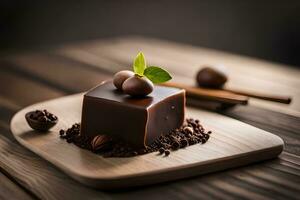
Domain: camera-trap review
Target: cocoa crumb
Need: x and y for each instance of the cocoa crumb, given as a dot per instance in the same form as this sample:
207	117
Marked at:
190	133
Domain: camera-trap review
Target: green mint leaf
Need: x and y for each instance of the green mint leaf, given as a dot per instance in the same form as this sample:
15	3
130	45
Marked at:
157	74
139	64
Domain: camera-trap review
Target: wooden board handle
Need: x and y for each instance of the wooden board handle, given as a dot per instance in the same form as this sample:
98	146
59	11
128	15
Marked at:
210	94
269	97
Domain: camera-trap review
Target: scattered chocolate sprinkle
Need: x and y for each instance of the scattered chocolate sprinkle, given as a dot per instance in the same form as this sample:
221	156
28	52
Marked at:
167	152
184	143
175	145
61	132
190	133
161	150
42	116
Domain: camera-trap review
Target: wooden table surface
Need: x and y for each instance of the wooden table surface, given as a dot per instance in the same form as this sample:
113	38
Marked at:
27	78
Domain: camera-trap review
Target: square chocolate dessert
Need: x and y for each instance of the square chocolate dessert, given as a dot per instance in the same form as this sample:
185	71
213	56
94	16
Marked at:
138	121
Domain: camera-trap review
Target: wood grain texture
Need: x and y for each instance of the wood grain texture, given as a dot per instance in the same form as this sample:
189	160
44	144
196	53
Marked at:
232	144
38	176
56	72
9	190
185	60
268	97
276	179
24	90
47	182
283	125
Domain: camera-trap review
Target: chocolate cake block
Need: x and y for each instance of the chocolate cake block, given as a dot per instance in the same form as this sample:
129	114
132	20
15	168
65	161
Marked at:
138	121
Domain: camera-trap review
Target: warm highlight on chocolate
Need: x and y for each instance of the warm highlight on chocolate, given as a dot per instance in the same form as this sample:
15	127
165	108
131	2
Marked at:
138	121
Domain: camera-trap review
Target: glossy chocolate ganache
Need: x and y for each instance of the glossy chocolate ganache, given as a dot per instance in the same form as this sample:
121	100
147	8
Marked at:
118	125
137	121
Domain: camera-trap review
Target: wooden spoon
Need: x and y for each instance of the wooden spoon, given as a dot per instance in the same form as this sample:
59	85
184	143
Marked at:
210	94
210	77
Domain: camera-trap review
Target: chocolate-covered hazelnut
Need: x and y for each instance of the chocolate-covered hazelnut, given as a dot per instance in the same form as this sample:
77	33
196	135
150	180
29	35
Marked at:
137	86
120	77
211	78
100	142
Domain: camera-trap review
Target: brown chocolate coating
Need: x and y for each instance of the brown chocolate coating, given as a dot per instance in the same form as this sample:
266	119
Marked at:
138	121
100	142
120	77
137	86
211	78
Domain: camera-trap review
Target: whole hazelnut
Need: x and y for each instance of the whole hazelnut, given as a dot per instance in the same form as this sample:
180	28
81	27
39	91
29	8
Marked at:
137	86
210	77
120	77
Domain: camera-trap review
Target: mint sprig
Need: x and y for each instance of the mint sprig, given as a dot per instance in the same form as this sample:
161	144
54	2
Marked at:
157	74
139	64
153	73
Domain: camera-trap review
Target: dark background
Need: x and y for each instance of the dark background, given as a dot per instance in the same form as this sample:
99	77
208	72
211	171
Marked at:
263	29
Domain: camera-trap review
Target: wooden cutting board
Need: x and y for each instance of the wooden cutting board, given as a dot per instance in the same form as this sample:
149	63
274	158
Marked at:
232	144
